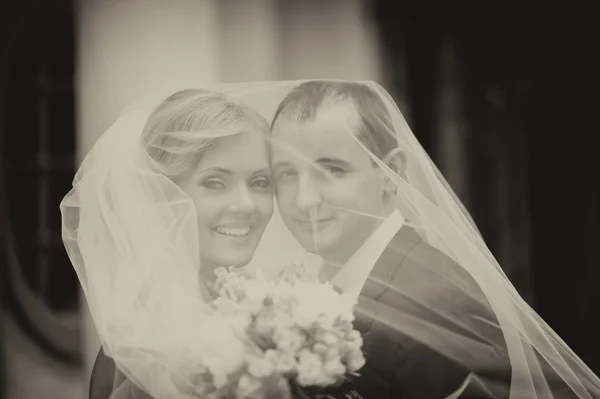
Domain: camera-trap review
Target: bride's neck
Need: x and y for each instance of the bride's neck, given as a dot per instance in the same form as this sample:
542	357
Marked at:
207	272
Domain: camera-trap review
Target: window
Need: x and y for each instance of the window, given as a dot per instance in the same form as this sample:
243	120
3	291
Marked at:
38	162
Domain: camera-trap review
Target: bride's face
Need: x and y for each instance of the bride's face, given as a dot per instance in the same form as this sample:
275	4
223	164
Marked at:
231	190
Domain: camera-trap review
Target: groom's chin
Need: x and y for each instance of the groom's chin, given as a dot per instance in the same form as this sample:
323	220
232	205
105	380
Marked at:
316	247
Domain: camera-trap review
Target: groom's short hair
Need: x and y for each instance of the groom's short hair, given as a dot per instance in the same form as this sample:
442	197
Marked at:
376	131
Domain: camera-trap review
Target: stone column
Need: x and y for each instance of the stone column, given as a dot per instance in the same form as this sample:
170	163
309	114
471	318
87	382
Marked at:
127	49
328	39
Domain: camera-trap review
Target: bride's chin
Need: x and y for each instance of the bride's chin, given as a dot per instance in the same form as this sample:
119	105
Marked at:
224	260
234	261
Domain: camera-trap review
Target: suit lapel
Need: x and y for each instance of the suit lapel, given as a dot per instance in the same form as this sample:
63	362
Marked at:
389	262
381	276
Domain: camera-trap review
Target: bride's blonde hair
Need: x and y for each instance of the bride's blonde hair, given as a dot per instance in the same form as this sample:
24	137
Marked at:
188	123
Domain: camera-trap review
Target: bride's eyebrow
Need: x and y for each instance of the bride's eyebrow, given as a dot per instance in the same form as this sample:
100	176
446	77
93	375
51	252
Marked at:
217	169
263	171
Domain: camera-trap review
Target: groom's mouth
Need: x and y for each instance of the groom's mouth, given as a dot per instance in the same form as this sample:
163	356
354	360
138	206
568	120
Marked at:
318	223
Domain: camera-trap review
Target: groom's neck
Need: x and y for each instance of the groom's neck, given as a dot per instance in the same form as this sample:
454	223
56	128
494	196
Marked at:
337	257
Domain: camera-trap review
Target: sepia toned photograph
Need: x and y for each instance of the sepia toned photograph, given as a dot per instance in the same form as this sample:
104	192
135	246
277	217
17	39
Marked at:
315	199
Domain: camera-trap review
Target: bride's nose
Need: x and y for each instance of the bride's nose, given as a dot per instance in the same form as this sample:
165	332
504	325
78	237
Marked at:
241	201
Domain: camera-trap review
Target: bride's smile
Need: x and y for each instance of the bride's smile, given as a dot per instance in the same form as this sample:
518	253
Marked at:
233	231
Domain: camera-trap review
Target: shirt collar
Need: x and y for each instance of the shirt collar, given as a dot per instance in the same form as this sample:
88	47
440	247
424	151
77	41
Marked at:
352	277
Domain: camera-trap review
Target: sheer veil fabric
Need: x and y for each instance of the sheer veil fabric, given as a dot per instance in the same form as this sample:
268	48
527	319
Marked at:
132	236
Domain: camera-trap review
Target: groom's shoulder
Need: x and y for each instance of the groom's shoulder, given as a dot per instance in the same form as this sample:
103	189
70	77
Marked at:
418	261
409	249
425	271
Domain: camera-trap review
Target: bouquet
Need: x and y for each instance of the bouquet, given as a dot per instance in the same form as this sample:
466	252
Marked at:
289	334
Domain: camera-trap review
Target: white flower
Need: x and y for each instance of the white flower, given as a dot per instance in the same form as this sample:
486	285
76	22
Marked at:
320	303
310	369
298	329
329	338
282	321
320	348
283	362
263	325
355	361
220	350
259	367
240	323
306	312
355	338
226	306
254	291
247	385
283	304
289	340
283	290
332	353
295	272
334	367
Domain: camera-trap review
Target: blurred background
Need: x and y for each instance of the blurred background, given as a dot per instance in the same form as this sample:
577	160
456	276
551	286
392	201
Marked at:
502	96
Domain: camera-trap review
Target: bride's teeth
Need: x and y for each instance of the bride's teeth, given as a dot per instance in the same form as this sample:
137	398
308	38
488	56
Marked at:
237	232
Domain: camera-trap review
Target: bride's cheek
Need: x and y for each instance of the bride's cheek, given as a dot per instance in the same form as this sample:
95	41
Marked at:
207	215
265	205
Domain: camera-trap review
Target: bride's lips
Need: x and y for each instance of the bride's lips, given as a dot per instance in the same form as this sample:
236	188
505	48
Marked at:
238	231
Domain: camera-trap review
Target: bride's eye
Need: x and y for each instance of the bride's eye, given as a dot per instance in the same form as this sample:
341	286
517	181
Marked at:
262	183
213	184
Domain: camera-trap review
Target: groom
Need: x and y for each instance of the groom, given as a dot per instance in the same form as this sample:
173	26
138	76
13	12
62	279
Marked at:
340	205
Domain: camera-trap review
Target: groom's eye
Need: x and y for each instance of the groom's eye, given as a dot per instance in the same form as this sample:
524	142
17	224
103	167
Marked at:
334	170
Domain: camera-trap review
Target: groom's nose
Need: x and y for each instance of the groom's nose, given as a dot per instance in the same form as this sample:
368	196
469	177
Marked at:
307	196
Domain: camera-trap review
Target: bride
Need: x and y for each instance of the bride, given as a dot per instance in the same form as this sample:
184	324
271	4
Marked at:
146	229
207	152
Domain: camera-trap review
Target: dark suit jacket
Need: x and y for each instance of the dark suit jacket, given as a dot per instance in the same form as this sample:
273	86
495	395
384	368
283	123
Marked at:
408	279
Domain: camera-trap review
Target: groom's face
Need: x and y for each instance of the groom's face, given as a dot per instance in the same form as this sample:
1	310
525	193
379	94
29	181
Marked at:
329	193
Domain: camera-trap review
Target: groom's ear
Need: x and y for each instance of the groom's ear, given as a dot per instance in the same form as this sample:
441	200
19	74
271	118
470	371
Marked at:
396	161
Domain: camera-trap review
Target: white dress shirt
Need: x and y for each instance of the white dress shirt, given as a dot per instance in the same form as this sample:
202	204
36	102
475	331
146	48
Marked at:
353	276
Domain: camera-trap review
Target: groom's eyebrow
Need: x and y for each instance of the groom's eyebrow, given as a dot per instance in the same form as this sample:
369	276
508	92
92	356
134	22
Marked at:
261	171
279	164
325	160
